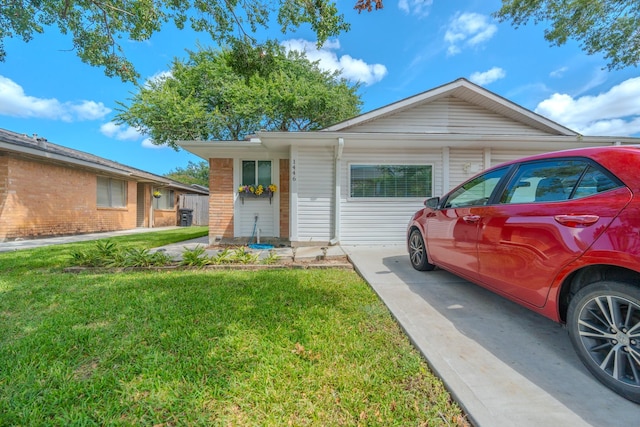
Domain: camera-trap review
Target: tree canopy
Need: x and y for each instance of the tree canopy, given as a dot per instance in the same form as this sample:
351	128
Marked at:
98	26
194	173
230	94
610	27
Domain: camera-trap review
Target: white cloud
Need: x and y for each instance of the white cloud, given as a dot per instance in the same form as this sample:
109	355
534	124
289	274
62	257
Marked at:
419	8
148	144
612	113
486	77
120	132
468	30
158	77
556	74
15	103
127	133
355	70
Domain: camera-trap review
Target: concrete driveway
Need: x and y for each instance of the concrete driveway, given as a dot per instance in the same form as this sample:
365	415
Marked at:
505	365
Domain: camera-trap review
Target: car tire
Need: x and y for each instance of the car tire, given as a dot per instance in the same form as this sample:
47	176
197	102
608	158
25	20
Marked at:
418	252
604	326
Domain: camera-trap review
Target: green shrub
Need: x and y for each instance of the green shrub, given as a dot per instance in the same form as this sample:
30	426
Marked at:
196	257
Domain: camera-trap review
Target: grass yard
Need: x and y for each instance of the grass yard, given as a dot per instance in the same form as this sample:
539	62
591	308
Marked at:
196	347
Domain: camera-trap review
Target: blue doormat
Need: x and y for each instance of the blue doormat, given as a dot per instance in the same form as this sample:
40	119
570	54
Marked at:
260	246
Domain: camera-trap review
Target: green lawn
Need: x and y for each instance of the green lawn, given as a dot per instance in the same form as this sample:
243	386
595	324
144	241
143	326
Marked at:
197	347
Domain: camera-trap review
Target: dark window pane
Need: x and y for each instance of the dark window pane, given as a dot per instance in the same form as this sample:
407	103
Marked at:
248	172
391	181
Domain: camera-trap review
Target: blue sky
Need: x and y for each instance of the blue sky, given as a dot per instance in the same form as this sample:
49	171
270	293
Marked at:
407	48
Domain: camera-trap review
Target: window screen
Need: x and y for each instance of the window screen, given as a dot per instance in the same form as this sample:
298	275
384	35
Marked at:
165	201
111	192
391	180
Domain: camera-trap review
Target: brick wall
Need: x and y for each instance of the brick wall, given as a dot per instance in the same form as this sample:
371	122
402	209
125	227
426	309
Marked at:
39	199
167	217
221	194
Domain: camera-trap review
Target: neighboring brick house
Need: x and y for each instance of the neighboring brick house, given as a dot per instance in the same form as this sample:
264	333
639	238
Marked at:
50	190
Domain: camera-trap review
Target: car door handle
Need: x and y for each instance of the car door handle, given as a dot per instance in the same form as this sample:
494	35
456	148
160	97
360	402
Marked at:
577	220
471	219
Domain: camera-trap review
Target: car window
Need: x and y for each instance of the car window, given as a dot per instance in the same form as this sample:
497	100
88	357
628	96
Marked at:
475	192
594	181
555	180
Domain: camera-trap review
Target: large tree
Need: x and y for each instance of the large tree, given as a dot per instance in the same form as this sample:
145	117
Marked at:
230	94
97	27
610	27
194	173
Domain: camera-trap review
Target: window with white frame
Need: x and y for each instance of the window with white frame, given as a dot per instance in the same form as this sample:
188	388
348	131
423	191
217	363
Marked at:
390	181
256	172
165	201
111	193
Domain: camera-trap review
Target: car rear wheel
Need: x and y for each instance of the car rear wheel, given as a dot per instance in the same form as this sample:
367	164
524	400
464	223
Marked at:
604	326
418	252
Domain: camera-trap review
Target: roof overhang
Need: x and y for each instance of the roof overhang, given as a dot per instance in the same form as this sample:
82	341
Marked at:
268	143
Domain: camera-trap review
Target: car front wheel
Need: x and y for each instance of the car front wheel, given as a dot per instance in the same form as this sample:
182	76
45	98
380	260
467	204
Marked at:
418	252
604	326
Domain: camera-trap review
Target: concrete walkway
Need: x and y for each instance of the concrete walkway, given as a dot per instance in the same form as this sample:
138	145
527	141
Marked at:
504	364
48	241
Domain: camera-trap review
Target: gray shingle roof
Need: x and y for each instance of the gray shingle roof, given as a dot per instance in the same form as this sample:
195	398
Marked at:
39	147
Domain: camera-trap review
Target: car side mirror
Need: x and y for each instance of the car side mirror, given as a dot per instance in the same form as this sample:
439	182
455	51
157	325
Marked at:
432	203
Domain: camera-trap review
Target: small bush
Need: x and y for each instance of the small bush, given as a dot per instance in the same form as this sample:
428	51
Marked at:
272	258
106	253
196	257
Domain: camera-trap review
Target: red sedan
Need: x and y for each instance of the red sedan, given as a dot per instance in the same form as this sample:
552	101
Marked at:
558	233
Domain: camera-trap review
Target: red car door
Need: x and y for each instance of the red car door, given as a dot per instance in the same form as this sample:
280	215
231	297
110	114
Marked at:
522	245
452	230
452	240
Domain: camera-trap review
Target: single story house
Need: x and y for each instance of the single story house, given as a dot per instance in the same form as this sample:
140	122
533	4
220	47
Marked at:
359	181
51	190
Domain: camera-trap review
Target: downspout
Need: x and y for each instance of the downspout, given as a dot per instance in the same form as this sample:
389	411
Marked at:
336	202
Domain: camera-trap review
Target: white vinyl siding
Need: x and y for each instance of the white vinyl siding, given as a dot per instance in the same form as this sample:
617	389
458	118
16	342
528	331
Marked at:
501	156
463	165
316	188
379	221
245	218
448	115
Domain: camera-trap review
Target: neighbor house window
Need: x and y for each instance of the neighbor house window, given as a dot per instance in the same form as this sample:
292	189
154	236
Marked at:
112	193
391	181
256	172
165	201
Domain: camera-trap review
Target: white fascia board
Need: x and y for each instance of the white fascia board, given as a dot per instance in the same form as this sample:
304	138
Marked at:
270	142
415	140
223	149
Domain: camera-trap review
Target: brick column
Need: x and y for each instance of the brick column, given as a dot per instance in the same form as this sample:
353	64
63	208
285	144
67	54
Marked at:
221	193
